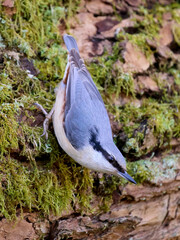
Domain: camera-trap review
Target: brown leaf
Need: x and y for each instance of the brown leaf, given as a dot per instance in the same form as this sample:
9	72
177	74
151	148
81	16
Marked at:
165	2
8	3
118	27
134	3
108	1
106	24
97	48
98	7
146	84
84	29
165	52
167	16
166	35
10	11
135	60
16	231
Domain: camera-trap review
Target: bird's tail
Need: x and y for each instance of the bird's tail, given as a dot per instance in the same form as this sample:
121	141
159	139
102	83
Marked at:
70	42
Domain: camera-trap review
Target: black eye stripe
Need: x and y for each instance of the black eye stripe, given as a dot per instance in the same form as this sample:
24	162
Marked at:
111	158
115	164
97	146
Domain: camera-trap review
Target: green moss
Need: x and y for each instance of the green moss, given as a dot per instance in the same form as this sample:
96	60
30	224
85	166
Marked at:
33	25
151	171
8	128
29	187
35	174
176	33
148	26
160	118
50	185
109	77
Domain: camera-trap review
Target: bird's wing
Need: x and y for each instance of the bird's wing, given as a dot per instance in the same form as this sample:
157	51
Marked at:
84	111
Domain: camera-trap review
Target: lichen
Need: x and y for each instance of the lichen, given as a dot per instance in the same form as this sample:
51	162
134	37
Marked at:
155	172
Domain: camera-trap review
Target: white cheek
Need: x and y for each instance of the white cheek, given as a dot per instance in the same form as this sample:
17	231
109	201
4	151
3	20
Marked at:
94	160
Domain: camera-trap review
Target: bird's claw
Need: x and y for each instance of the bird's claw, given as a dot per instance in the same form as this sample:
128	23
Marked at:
41	108
45	127
46	121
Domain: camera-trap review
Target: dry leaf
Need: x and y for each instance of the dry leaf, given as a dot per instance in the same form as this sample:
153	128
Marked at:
97	7
135	60
8	3
145	84
118	27
166	35
134	3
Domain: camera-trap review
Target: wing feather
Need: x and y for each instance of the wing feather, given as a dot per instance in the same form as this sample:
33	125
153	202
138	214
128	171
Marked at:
84	108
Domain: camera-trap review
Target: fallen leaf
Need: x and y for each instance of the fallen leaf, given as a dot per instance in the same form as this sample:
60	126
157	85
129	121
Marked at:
165	52
107	46
97	49
8	3
167	16
165	2
135	60
134	3
97	7
10	11
16	231
106	24
165	80
151	43
118	27
150	141
145	84
165	35
122	100
90	43
108	1
84	29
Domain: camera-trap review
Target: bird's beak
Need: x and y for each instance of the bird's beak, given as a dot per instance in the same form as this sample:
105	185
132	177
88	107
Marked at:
127	177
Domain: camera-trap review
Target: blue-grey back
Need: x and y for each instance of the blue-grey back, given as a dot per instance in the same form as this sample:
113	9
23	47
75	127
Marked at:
84	111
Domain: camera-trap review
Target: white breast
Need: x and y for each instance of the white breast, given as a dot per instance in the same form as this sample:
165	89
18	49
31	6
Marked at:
58	119
87	156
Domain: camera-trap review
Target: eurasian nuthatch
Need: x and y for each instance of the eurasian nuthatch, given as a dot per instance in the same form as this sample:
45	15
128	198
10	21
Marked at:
80	119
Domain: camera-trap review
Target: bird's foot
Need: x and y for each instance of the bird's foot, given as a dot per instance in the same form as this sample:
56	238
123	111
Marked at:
47	119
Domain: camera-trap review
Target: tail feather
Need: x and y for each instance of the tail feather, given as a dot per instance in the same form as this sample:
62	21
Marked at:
70	42
76	59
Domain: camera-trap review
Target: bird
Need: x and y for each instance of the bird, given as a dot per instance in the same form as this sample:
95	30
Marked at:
80	119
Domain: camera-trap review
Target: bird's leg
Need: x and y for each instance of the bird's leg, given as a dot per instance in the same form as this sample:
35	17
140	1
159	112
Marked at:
49	115
46	121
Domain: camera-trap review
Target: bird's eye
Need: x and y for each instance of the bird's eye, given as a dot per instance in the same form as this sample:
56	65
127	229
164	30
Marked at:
111	158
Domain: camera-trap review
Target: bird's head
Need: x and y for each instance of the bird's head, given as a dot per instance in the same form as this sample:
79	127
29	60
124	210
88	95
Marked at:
111	155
